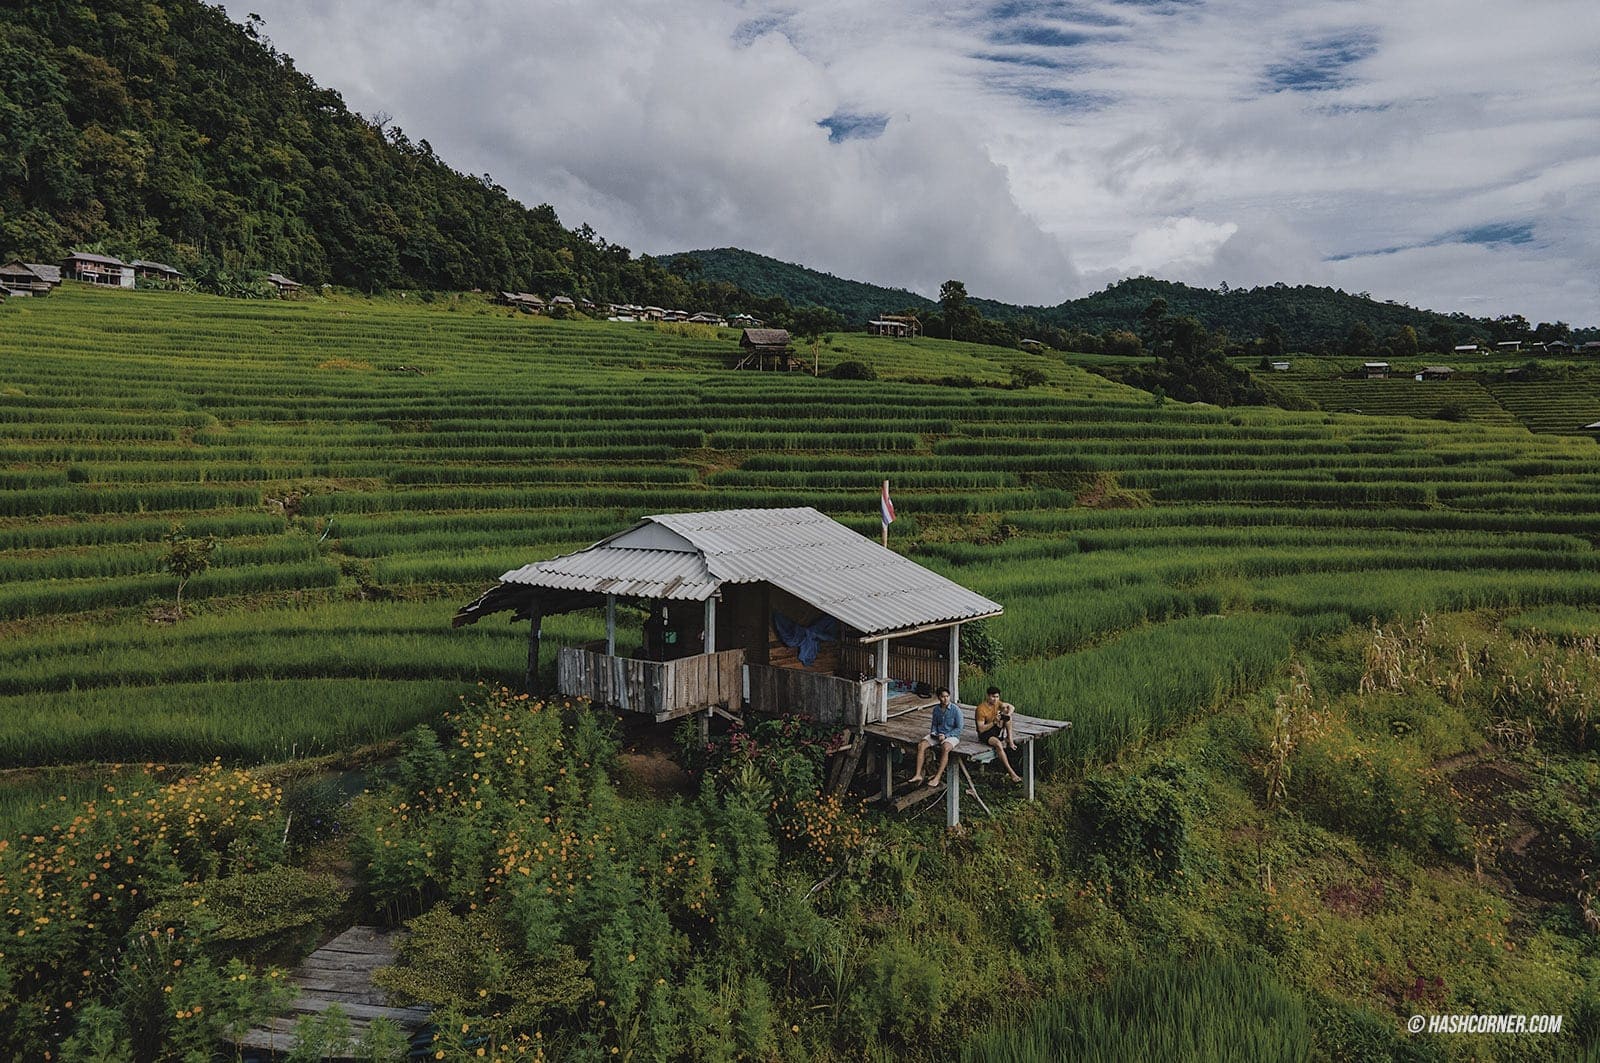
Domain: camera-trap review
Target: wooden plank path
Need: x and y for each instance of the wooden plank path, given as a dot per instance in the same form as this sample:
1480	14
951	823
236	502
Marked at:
908	728
340	972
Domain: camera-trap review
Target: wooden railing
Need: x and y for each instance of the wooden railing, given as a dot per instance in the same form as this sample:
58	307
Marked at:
912	664
663	689
824	698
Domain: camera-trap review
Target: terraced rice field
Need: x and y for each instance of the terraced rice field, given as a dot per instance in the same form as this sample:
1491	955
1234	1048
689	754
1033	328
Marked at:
367	465
1561	399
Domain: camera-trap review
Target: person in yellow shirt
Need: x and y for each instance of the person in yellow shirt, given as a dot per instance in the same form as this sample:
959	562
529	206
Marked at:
993	720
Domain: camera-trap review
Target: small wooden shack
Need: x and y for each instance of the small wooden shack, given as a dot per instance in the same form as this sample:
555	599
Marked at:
1436	372
524	301
158	271
284	285
778	611
766	348
1375	370
898	326
804	602
25	278
98	269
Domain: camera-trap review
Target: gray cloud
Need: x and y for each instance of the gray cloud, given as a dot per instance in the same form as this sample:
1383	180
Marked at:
1032	149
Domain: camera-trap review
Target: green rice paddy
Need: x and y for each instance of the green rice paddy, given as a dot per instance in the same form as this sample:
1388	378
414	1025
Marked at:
367	465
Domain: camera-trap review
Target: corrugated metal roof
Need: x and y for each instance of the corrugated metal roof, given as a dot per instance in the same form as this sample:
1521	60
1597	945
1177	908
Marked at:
104	260
801	551
631	573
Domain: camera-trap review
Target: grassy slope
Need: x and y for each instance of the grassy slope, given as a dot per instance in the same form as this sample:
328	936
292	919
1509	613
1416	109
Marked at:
389	452
358	500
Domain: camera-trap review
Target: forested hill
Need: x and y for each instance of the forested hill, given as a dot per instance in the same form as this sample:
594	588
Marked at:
1307	316
167	132
856	301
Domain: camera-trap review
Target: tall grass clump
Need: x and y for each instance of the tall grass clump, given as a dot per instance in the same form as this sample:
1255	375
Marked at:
1210	1010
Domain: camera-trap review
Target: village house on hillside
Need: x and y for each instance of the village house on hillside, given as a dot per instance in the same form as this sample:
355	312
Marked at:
766	345
1375	370
98	269
159	271
284	285
898	326
28	278
524	301
1436	372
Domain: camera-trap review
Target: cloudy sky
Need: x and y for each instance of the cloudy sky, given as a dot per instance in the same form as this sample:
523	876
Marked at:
1443	153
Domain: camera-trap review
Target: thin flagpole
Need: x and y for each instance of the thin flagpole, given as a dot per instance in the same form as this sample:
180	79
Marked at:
885	514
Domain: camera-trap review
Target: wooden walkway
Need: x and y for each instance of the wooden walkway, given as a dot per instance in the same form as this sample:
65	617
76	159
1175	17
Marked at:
910	727
340	972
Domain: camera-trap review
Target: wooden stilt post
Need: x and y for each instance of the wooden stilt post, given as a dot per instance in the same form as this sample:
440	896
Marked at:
1028	756
711	625
888	773
611	625
952	796
883	680
954	682
535	634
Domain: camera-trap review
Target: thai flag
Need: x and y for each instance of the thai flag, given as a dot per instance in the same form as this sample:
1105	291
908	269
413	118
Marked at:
888	506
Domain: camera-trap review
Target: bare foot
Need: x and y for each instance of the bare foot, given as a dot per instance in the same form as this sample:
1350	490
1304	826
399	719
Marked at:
915	779
1016	778
933	783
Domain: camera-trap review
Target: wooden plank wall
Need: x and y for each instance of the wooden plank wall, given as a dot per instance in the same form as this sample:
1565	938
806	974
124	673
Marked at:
663	689
824	698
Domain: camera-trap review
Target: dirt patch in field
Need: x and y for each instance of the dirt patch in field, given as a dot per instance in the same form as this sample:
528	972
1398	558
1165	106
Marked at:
650	767
1490	792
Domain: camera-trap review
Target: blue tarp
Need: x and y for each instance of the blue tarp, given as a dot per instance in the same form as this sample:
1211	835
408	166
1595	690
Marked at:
807	640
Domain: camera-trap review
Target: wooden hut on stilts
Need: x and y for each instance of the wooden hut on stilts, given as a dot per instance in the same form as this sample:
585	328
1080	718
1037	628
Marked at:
773	611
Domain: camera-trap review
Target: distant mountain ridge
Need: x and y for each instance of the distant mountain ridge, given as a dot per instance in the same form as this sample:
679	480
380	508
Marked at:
855	301
1307	315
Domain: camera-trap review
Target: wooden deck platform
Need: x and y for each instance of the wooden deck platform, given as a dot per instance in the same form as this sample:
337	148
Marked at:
340	972
910	726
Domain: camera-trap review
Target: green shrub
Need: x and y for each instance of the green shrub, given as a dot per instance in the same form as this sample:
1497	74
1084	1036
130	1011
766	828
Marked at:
853	370
1139	828
1383	793
276	912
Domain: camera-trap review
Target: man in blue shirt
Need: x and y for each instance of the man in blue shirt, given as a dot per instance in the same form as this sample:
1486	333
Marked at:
945	733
